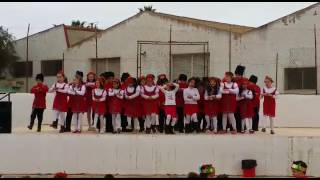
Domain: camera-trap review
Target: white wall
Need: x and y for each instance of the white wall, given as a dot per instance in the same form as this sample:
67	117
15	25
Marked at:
160	154
292	110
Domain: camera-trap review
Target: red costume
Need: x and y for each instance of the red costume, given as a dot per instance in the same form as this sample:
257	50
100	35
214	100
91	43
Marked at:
171	110
60	102
40	90
246	108
211	107
132	106
79	101
179	94
99	107
115	103
150	105
89	87
228	101
257	93
269	104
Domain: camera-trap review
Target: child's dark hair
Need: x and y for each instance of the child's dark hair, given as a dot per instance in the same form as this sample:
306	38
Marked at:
124	76
183	77
193	79
215	89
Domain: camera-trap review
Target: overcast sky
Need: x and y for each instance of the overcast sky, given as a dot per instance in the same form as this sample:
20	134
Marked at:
16	15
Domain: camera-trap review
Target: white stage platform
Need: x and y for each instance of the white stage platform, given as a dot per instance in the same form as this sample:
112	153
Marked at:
25	152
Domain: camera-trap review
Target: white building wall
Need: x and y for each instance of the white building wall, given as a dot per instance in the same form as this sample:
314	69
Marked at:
42	46
257	50
121	41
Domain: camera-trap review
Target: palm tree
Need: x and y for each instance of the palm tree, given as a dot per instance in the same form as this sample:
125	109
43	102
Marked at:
147	8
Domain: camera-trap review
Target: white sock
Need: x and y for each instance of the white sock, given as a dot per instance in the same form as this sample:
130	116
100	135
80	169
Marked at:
136	124
168	120
129	119
243	122
102	124
215	123
232	121
208	121
173	122
194	117
187	119
148	121
224	121
271	123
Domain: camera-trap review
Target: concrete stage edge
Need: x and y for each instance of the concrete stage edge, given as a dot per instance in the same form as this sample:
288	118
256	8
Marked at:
31	153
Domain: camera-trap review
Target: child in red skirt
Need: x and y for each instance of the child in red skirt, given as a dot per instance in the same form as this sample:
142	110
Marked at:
230	91
169	90
78	90
141	82
212	99
115	105
39	103
245	102
99	95
90	85
132	108
191	97
60	102
269	95
150	95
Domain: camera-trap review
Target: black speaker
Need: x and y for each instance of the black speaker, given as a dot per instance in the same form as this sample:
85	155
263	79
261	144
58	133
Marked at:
5	117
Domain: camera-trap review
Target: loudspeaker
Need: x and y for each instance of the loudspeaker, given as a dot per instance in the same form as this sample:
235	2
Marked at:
5	117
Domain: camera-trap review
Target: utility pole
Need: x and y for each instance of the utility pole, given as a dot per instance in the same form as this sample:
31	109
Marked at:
95	27
277	63
170	52
316	56
230	48
27	61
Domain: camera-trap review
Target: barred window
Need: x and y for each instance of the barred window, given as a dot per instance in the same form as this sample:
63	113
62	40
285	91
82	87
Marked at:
19	69
300	78
51	67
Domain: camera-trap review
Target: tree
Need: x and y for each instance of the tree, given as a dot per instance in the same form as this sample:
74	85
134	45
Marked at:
78	23
7	52
147	8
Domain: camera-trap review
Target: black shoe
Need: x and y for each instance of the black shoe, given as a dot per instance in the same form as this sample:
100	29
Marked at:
54	124
30	127
154	130
148	131
272	132
62	129
187	129
39	129
171	130
166	129
263	130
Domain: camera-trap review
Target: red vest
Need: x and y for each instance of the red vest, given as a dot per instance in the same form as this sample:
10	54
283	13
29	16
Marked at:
39	91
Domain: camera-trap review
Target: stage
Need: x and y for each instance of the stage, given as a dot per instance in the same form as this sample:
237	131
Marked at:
29	152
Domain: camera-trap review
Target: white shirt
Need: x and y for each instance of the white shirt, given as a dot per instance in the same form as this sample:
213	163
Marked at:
131	90
191	95
116	92
218	96
76	90
99	92
170	96
245	94
234	90
270	91
150	89
59	87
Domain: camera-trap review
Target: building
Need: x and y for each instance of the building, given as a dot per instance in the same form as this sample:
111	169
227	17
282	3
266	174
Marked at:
46	52
153	42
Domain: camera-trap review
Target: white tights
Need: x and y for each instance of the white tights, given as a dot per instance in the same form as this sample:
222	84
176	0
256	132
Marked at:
77	119
264	122
213	122
190	119
102	122
135	123
151	119
116	121
60	116
173	120
232	121
246	122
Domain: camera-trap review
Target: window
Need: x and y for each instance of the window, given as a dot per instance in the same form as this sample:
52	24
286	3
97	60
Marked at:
19	69
190	64
300	78
51	67
101	65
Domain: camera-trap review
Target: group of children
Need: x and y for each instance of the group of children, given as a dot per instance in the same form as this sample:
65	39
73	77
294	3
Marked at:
185	105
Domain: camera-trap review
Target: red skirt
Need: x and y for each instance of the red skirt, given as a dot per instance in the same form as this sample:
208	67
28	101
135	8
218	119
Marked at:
115	105
269	106
171	110
211	108
99	107
150	106
132	108
229	103
79	104
60	102
190	109
246	109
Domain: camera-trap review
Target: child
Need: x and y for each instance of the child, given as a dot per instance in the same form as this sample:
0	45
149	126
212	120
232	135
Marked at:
182	81
78	90
229	102
169	90
115	105
246	107
99	105
162	80
256	91
191	96
39	103
141	82
150	95
90	85
60	102
132	108
212	98
269	95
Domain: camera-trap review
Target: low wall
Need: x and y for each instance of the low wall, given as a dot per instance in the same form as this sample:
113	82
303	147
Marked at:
160	154
292	110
